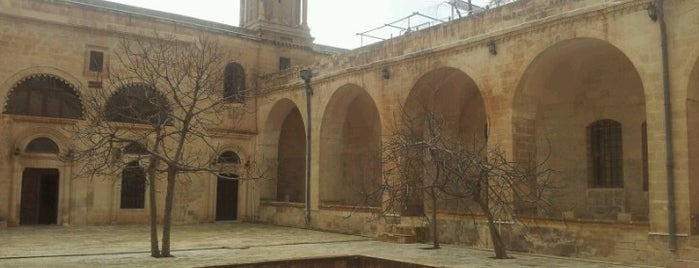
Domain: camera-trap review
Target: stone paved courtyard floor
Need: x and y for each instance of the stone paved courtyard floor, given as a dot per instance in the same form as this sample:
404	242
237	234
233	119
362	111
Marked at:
231	243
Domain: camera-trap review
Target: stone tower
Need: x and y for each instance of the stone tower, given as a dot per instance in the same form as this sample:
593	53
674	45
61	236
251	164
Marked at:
279	21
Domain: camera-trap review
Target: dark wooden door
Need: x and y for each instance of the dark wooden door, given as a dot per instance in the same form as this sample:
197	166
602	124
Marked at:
226	199
39	200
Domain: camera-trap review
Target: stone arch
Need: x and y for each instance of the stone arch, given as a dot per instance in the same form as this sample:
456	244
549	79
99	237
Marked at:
138	103
46	95
285	142
55	136
350	149
693	136
228	157
42	145
446	94
566	87
7	85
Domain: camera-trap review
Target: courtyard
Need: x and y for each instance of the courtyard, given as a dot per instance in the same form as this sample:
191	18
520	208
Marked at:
226	243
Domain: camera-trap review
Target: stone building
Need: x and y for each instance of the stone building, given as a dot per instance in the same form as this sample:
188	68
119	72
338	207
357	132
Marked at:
594	85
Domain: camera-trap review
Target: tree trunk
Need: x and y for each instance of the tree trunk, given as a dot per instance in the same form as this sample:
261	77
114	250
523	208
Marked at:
154	247
167	214
435	237
498	245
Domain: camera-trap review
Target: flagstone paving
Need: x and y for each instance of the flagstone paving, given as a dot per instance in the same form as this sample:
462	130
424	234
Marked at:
232	243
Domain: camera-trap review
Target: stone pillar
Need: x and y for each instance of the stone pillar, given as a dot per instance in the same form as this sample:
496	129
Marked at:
304	11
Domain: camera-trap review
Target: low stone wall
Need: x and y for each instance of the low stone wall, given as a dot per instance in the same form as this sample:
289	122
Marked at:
330	262
601	240
341	219
624	242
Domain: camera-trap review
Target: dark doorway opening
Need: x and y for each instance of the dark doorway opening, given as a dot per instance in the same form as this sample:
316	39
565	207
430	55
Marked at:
39	204
227	198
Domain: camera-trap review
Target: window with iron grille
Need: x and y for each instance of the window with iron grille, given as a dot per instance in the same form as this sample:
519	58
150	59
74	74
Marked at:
133	186
605	154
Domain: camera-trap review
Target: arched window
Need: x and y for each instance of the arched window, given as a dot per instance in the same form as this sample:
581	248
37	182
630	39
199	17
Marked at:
228	157
605	154
42	146
137	103
133	186
44	95
135	148
234	83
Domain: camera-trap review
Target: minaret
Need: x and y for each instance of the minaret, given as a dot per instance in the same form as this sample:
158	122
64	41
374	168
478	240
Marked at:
280	21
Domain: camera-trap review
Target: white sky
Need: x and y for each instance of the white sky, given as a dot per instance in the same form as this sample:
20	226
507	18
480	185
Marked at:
332	22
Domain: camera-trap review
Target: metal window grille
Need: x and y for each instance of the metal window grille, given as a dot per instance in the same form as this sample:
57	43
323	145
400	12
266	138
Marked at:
605	154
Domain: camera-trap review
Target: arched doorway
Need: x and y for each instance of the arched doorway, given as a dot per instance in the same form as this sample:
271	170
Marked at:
40	187
350	150
580	106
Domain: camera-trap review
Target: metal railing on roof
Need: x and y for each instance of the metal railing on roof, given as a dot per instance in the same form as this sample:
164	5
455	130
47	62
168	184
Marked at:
418	21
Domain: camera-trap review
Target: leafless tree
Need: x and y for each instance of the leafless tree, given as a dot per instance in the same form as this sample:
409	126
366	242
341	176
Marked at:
162	97
423	159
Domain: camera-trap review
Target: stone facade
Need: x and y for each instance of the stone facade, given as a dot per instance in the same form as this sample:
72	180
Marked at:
536	75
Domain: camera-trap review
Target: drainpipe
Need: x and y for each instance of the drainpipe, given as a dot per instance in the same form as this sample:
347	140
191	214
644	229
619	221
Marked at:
306	76
671	216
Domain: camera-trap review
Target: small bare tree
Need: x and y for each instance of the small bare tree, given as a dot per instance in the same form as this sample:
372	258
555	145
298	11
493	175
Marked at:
424	158
162	98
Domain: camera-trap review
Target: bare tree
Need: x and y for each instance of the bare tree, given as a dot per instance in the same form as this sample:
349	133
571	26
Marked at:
424	158
162	97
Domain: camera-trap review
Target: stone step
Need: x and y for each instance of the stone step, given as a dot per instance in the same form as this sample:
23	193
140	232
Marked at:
398	238
685	264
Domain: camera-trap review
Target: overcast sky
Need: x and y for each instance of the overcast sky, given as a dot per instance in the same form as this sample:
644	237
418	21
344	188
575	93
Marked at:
332	22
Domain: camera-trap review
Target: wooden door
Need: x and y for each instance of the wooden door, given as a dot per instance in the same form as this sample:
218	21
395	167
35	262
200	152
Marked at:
39	200
226	199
